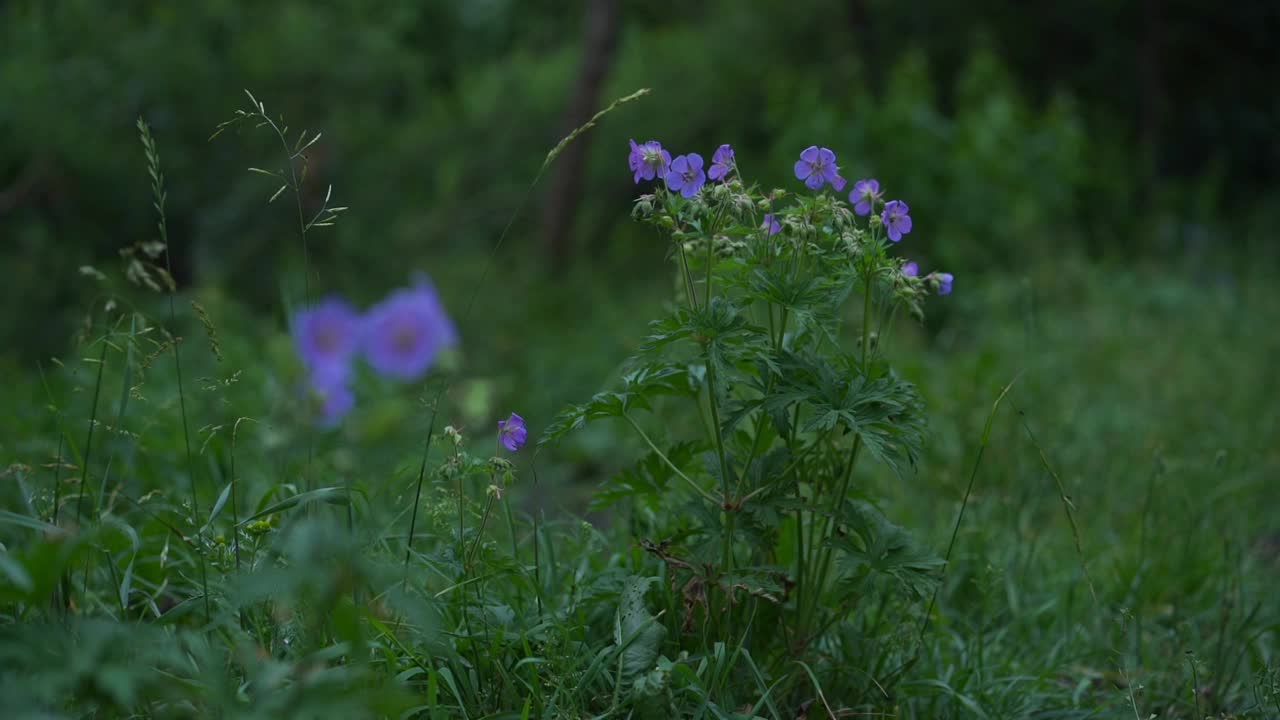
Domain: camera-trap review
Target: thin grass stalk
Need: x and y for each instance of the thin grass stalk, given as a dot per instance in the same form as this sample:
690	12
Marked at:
1067	506
88	455
417	498
159	196
973	476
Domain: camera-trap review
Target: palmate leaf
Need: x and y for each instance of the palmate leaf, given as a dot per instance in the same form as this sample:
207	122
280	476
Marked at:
639	387
875	546
647	481
884	410
722	329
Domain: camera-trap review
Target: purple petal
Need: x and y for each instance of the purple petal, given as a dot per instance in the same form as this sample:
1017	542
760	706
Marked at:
911	269
810	154
695	161
680	164
803	170
675	180
838	183
863	207
894	235
828	157
944	283
814	181
904	224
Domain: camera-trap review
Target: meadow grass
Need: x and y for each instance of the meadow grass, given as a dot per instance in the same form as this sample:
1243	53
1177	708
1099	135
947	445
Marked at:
1117	556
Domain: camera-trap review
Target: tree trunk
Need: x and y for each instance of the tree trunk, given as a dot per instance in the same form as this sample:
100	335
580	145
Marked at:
599	46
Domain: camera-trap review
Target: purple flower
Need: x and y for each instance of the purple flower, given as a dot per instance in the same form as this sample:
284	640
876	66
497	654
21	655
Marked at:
865	195
333	397
512	432
944	283
817	166
327	335
649	160
911	269
686	175
721	163
405	331
771	224
896	219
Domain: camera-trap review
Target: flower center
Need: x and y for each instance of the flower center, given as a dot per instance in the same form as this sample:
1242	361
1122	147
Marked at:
326	339
404	338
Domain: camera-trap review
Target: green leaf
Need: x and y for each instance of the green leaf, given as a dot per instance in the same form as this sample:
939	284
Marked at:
875	546
8	517
636	632
639	387
217	506
330	495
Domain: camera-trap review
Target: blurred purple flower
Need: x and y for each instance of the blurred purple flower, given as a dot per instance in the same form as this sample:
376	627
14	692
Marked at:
896	220
512	432
404	332
911	269
865	195
327	334
771	224
686	175
944	283
649	160
332	395
721	163
817	166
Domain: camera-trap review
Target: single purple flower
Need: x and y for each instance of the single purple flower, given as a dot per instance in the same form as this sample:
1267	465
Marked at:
512	432
721	163
896	220
771	224
686	175
327	334
944	283
404	332
649	160
865	195
332	395
817	166
911	269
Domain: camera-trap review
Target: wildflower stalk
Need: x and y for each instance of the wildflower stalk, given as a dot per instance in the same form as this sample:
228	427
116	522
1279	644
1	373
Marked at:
714	404
663	457
837	500
159	196
417	499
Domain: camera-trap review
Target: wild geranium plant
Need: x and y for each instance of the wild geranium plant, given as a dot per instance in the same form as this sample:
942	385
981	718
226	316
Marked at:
765	402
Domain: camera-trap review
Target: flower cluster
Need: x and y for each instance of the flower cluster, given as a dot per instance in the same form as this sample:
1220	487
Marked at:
817	167
399	337
684	174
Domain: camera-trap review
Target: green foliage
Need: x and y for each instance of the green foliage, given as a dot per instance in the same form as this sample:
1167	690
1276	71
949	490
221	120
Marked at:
767	550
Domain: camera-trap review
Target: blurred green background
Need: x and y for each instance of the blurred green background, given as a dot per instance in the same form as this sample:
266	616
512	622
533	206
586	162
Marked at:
1100	176
1123	131
1028	138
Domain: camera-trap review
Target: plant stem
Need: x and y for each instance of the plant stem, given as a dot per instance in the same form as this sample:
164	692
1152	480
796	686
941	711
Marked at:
88	449
158	191
417	497
662	456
